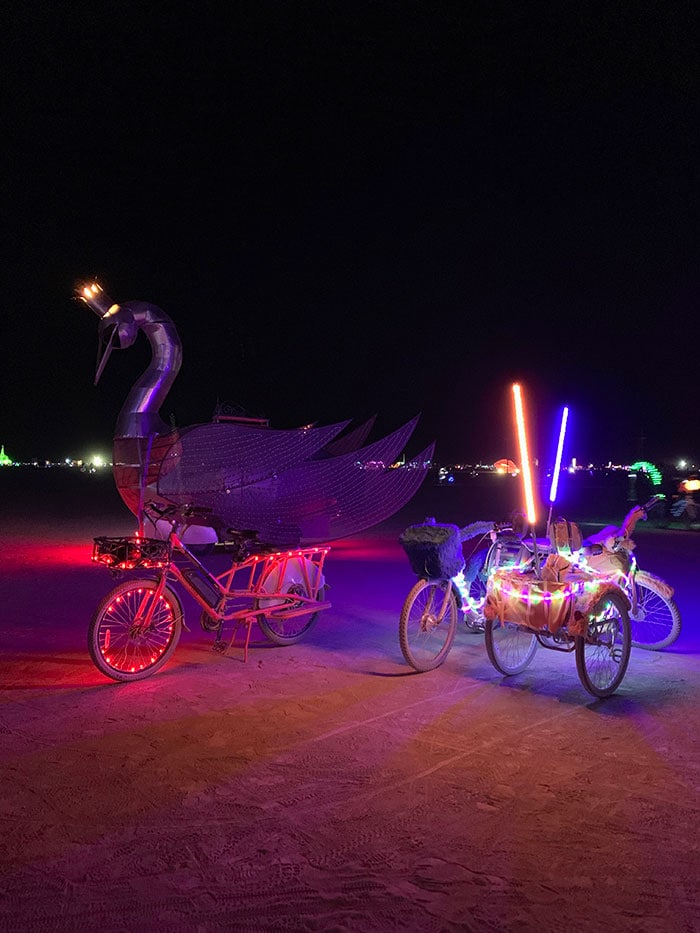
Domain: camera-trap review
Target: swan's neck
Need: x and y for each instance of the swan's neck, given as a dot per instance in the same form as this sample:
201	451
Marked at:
139	416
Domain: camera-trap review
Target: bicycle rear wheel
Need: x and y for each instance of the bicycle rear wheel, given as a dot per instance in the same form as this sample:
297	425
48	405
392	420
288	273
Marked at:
655	620
281	621
122	644
603	654
428	623
287	630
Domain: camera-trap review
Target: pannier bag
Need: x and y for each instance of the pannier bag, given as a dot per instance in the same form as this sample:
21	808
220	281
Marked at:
565	537
433	550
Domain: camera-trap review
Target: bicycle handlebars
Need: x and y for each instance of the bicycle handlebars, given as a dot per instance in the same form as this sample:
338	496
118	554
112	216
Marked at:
482	528
649	505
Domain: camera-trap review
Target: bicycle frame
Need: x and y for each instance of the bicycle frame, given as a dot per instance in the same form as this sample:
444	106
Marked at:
256	579
507	549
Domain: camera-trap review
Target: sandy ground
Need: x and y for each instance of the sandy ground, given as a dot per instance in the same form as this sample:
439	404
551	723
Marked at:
327	787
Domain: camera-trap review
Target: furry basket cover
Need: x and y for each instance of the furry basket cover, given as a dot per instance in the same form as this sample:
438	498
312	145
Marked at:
433	550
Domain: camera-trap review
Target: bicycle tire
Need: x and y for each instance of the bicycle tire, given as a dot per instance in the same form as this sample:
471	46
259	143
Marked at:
603	654
290	579
656	619
424	636
281	631
123	653
510	648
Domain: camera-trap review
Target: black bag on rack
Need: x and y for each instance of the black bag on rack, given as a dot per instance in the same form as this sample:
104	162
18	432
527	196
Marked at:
433	550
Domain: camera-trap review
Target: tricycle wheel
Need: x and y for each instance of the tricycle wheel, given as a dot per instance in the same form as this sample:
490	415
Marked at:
510	648
603	654
655	619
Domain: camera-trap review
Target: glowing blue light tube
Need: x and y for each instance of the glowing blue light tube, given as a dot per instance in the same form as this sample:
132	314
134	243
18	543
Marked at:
557	462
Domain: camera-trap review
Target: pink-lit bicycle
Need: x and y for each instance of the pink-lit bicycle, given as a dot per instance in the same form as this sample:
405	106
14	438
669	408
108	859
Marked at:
136	627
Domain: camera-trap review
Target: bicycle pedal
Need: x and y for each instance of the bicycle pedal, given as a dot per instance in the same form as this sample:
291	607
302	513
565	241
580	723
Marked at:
476	626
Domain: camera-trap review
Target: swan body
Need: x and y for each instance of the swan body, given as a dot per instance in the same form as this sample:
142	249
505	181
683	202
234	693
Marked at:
291	487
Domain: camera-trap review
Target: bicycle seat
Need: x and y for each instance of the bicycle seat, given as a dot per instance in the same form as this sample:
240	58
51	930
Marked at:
593	547
239	535
192	513
602	538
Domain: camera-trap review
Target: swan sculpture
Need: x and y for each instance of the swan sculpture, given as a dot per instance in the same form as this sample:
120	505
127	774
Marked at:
291	487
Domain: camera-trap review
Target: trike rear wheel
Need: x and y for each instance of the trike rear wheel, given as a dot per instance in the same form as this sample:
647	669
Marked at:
602	655
122	644
510	648
427	624
655	619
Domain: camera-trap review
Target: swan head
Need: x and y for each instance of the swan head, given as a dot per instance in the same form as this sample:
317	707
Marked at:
118	329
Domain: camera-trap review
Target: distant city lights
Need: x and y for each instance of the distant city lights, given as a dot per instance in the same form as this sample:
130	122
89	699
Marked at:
504	466
91	463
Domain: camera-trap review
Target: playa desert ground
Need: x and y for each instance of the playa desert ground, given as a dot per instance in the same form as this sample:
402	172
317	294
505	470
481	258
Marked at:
326	786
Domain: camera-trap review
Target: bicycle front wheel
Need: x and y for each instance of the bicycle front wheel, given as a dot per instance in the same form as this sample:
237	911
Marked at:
133	633
603	654
655	619
510	648
428	623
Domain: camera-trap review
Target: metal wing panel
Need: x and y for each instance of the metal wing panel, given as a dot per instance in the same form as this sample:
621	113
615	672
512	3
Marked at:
365	505
320	500
321	505
211	458
346	443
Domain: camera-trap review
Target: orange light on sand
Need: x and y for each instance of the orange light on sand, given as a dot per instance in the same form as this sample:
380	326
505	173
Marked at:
524	454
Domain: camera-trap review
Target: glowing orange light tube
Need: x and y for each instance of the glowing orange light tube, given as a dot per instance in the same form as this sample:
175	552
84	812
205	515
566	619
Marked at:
524	455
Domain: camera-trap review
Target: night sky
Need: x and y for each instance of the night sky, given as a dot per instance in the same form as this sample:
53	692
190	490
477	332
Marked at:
358	208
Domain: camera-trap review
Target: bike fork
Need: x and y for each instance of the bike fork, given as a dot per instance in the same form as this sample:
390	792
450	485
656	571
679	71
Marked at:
144	621
632	592
445	601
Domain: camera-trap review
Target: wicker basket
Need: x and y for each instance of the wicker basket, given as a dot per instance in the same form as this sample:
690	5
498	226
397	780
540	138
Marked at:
130	553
